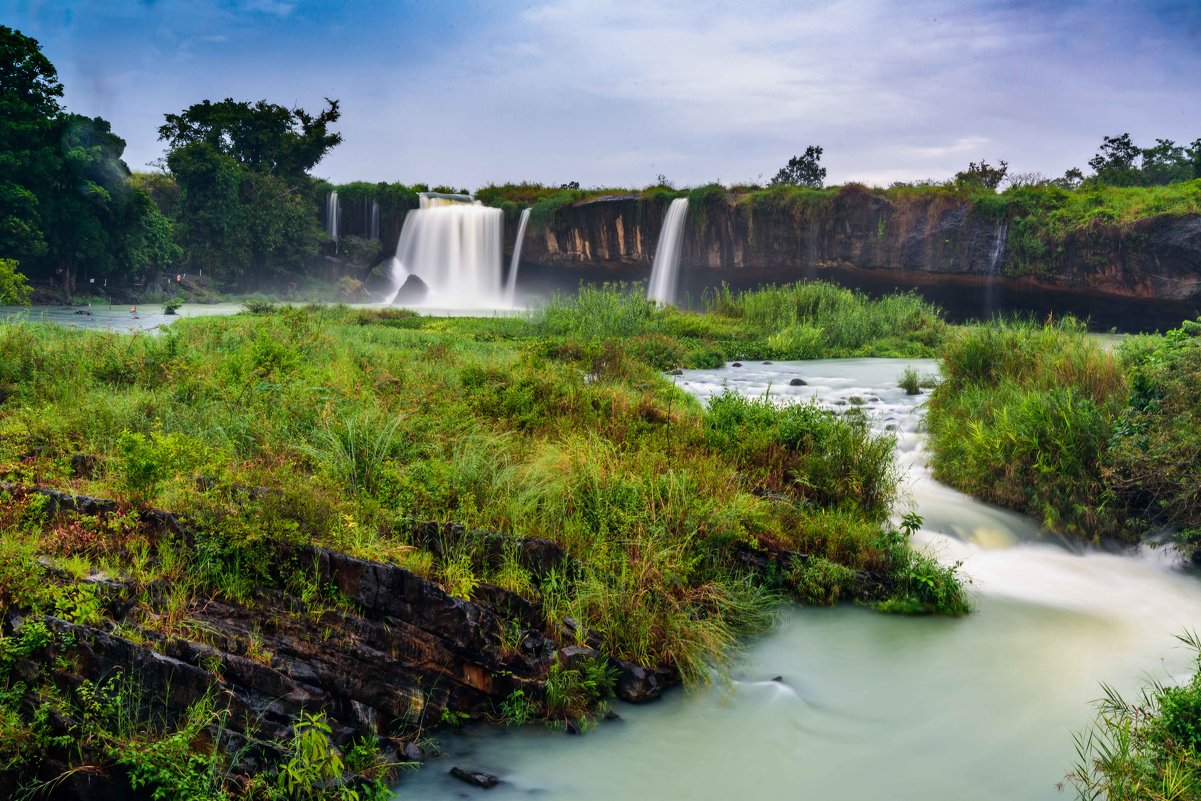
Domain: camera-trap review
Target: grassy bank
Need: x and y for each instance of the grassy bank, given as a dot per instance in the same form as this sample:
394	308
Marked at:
346	428
1144	749
1094	443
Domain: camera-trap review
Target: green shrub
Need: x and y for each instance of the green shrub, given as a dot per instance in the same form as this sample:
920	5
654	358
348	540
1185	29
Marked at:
824	458
1148	749
821	582
1023	418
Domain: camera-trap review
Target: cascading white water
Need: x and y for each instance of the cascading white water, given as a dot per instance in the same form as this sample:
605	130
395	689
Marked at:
453	244
511	283
666	267
331	214
994	258
998	246
373	231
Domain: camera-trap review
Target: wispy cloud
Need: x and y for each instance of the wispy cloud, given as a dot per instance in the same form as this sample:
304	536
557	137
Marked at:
611	93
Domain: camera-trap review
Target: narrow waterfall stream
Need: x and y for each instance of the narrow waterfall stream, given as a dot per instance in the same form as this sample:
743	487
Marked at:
511	281
666	267
872	706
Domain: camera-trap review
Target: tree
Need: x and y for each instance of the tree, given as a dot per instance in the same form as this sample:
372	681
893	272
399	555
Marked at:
1114	163
245	197
29	92
14	289
263	137
803	170
66	199
1071	179
1164	164
983	175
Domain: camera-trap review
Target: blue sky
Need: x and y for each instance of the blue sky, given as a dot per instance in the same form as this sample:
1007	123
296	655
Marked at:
615	93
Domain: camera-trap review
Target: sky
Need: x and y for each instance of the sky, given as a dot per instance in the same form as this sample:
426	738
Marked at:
618	93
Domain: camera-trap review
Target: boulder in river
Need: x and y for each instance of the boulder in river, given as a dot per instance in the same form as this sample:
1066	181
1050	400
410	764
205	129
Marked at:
797	382
475	777
637	684
413	290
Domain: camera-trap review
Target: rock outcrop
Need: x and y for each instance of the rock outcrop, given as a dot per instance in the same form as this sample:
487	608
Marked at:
921	233
379	649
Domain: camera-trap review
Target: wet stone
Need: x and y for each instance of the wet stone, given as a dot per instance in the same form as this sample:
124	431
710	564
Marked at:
476	778
797	382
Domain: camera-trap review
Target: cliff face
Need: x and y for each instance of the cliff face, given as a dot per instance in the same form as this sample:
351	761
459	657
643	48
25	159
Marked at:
855	227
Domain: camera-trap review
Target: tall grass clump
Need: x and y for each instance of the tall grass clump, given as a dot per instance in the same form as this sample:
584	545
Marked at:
1023	418
812	319
598	313
1145	749
826	459
1154	464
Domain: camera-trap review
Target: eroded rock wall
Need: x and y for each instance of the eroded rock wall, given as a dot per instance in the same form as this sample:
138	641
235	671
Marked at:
856	227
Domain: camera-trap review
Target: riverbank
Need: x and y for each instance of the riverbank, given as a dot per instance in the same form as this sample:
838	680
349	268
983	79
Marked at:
597	530
1095	442
849	704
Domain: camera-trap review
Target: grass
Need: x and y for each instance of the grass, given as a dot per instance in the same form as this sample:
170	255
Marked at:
1022	419
345	428
1096	444
1148	749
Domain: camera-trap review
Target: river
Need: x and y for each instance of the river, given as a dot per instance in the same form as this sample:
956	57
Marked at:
871	706
107	317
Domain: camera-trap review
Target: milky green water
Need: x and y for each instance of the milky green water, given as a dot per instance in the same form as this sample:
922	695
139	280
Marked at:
872	706
141	317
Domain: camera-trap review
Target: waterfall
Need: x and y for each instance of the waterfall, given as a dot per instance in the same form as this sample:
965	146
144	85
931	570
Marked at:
666	267
453	244
998	246
994	257
373	231
511	285
331	214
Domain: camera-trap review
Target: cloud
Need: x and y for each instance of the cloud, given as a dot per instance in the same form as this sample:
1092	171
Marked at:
615	93
280	8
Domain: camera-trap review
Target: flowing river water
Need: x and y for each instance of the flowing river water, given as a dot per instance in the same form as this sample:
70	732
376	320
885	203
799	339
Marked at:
871	706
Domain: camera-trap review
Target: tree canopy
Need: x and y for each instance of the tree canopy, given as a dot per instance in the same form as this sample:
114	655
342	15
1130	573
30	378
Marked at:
246	202
983	174
1121	162
803	170
261	137
66	199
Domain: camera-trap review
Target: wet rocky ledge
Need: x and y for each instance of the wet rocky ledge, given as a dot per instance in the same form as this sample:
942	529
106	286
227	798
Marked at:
398	656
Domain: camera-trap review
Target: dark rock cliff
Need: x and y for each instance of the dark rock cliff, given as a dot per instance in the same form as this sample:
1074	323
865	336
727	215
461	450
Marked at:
925	234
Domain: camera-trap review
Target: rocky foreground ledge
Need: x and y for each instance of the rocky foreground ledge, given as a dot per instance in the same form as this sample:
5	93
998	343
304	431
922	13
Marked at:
396	657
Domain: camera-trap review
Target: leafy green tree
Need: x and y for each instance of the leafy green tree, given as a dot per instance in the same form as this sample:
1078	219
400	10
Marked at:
29	93
13	287
66	199
803	170
246	201
1115	163
263	137
983	175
